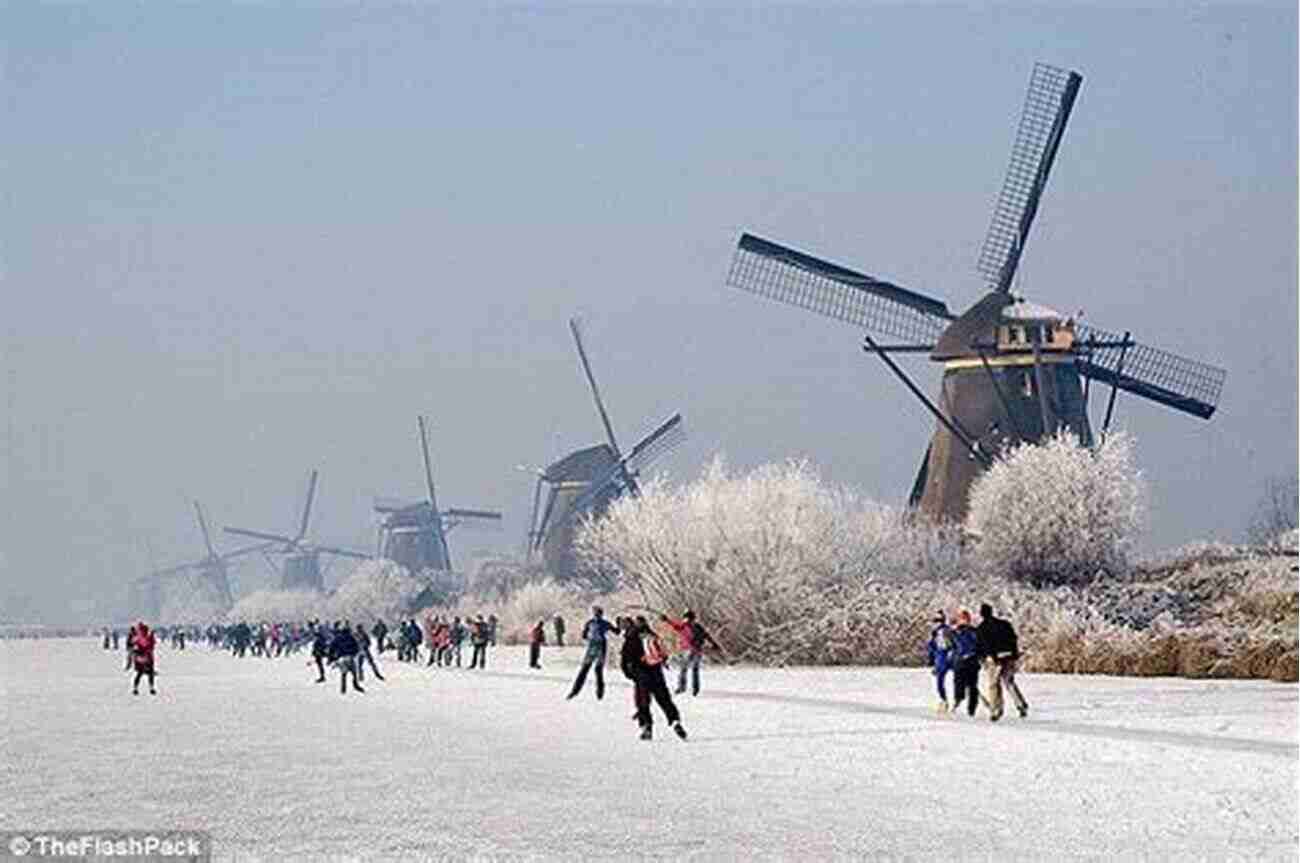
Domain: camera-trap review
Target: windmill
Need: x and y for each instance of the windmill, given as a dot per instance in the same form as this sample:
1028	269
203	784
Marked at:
1012	370
414	534
210	571
300	569
585	482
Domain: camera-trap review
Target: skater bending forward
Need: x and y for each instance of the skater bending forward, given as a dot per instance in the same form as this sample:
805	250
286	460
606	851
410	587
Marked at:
642	661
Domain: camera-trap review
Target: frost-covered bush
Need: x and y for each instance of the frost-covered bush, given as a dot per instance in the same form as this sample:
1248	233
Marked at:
1058	512
375	589
189	600
269	605
762	555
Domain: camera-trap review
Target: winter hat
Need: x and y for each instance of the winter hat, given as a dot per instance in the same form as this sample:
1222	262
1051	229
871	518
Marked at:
986	610
938	617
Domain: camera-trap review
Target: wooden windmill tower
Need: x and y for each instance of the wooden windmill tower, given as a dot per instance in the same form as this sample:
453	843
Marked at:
209	574
586	481
300	567
414	533
1012	371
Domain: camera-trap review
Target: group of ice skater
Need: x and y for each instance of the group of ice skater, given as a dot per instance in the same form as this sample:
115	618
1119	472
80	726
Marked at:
963	648
958	646
642	660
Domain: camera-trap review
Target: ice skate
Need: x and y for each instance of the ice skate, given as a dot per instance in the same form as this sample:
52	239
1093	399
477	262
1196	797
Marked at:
679	730
646	733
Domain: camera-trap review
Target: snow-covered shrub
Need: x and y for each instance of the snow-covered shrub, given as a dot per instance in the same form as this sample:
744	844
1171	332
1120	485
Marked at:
276	605
189	600
375	589
1058	512
763	556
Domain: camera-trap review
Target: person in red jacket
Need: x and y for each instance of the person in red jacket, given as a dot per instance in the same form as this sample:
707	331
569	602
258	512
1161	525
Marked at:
142	645
691	640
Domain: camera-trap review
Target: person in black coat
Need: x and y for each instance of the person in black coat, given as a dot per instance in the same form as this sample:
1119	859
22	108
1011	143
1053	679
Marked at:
999	648
343	650
320	648
642	661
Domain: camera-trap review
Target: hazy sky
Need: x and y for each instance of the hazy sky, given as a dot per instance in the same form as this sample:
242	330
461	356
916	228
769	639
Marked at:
240	243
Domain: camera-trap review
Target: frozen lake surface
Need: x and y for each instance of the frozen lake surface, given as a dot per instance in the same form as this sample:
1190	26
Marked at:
781	764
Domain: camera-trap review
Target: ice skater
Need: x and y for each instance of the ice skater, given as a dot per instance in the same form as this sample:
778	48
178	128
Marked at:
364	655
939	657
642	661
536	640
594	632
142	644
692	638
1000	650
966	664
320	648
479	642
343	650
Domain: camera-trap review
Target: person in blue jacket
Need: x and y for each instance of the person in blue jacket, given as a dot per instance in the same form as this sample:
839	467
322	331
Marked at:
939	656
966	664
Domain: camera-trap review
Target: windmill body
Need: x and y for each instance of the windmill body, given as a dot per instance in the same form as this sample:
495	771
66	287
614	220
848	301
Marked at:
210	575
300	560
1013	371
584	483
413	534
1021	384
569	480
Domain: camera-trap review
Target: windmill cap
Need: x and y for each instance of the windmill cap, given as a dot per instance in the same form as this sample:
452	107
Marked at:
1023	310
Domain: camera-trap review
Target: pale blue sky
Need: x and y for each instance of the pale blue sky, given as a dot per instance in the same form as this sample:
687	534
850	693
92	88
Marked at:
243	242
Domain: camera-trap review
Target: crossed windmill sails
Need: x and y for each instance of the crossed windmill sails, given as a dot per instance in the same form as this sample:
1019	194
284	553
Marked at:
1012	371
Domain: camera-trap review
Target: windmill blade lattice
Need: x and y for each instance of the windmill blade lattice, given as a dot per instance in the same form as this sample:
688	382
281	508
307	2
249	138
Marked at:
1183	384
1042	123
779	273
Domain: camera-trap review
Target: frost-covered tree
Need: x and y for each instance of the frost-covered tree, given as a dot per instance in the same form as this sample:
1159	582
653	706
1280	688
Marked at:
759	552
1058	512
375	589
1275	515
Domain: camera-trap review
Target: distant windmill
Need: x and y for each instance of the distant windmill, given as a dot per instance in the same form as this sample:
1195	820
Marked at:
1013	371
145	595
414	533
585	482
300	568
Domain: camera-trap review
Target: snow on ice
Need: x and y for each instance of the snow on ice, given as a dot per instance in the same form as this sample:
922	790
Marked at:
780	764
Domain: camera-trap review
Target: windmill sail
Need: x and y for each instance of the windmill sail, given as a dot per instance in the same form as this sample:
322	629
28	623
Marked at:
1183	384
1048	103
780	273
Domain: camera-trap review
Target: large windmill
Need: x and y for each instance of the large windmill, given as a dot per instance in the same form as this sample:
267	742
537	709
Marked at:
414	533
300	568
1013	371
585	482
209	575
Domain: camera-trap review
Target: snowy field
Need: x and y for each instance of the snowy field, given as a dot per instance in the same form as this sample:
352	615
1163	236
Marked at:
801	764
